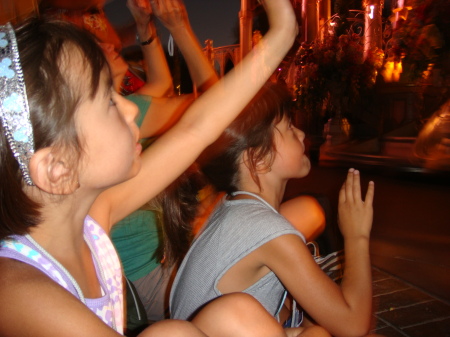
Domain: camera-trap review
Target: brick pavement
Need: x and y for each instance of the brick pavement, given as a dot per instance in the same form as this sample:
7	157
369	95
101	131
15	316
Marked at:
403	310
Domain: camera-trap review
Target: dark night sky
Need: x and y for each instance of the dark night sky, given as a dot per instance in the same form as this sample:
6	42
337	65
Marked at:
210	19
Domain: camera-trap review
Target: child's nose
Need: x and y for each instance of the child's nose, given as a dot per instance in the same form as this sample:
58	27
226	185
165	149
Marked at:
127	108
300	134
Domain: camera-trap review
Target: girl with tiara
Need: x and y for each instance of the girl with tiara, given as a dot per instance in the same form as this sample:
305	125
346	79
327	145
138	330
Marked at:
71	166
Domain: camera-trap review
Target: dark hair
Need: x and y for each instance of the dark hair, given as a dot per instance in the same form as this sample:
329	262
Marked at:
54	92
179	208
253	131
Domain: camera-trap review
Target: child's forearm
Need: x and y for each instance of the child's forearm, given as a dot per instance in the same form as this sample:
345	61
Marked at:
240	85
355	222
158	78
174	16
356	284
200	68
159	81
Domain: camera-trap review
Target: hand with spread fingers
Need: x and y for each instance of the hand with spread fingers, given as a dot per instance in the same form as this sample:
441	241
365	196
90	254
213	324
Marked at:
355	214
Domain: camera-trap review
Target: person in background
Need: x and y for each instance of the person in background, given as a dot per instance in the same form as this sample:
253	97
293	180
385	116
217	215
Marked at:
87	14
138	236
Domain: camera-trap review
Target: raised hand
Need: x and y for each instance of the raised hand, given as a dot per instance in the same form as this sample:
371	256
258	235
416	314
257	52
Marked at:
355	214
171	13
141	11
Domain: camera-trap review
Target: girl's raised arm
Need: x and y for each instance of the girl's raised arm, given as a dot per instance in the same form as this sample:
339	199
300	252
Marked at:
164	112
174	17
158	77
204	121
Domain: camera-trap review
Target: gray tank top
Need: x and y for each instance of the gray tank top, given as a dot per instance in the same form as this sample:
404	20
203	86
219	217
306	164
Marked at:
235	229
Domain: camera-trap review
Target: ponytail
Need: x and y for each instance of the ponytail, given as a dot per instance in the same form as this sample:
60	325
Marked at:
179	202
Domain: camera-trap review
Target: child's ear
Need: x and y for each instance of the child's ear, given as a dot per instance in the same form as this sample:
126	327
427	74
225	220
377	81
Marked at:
51	174
262	166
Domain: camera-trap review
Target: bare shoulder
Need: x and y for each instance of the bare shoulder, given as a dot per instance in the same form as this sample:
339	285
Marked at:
16	276
21	286
287	244
32	304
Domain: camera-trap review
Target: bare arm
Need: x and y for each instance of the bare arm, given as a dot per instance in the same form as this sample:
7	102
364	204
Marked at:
344	310
158	77
355	222
175	18
165	112
203	122
48	309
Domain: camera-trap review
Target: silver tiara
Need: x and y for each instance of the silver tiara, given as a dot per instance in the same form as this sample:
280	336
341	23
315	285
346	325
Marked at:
14	111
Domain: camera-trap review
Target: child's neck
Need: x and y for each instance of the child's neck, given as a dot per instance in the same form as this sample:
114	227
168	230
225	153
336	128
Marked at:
271	188
273	197
62	221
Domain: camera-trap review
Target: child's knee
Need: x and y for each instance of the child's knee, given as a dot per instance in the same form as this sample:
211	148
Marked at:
306	214
237	314
173	328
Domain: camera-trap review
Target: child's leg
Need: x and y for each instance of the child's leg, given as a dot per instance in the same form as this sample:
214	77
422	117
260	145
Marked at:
172	328
312	331
306	214
235	315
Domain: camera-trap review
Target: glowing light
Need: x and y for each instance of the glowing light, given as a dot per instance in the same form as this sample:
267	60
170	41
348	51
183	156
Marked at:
372	10
392	71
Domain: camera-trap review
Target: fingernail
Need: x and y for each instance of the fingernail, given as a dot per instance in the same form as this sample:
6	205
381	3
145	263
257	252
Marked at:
356	172
351	170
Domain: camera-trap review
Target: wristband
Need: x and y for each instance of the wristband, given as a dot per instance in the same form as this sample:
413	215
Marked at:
147	42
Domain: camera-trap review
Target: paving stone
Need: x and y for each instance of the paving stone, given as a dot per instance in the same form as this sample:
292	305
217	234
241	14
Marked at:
400	298
415	314
388	286
390	332
439	328
377	323
378	275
